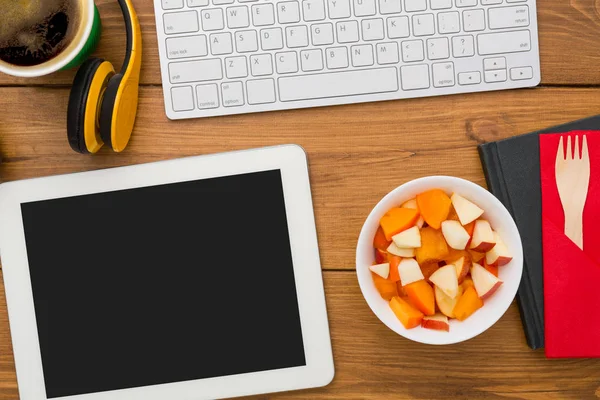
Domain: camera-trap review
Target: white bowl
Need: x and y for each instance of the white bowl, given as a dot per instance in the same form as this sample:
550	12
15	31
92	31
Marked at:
494	307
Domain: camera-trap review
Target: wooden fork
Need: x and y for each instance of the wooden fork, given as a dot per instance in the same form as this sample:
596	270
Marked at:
573	178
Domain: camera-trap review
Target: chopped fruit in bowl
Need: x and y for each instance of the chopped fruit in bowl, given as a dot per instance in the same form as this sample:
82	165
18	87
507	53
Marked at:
439	260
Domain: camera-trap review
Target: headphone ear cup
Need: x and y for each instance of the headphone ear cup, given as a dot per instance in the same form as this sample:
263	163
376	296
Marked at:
77	104
107	109
84	103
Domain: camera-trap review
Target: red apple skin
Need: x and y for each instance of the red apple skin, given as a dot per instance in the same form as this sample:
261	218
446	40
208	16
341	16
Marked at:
380	257
464	271
491	291
435	325
503	260
483	247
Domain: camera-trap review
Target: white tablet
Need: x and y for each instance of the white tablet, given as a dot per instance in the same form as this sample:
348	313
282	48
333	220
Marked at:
196	278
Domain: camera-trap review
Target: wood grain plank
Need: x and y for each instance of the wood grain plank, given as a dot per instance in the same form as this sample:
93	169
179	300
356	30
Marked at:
372	362
357	153
568	30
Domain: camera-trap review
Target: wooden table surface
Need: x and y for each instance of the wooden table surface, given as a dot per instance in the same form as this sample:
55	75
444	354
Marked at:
357	153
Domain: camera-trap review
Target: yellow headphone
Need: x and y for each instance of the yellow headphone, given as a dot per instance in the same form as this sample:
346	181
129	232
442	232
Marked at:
102	103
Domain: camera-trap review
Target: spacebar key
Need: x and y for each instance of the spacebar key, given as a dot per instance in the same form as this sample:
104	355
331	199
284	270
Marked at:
336	84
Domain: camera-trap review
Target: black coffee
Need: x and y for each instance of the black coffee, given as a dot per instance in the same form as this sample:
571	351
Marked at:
35	31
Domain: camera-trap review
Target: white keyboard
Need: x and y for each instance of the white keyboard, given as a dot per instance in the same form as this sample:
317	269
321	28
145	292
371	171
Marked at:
222	57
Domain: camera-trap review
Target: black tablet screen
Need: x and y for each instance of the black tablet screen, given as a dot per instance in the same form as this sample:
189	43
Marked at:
163	284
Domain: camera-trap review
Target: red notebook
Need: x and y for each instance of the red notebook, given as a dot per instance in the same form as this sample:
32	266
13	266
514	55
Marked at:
571	275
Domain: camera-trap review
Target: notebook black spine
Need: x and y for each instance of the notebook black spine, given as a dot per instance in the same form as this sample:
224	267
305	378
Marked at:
492	170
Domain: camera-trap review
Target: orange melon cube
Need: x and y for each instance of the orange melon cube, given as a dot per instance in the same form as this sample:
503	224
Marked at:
468	303
434	206
407	314
433	246
421	296
397	220
386	288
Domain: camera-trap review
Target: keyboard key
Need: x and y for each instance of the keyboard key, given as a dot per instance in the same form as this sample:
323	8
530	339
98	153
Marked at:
322	34
440	4
516	1
263	14
438	48
296	36
347	83
220	43
286	62
338	8
397	27
311	60
192	71
247	1
363	8
491	2
462	46
260	91
181	22
288	12
271	39
520	73
347	32
313	10
387	53
448	22
508	17
171	4
212	20
221	2
414	76
182	98
197	3
362	55
207	96
246	41
415	5
494	63
390	6
495	76
372	29
473	20
443	74
237	17
412	50
235	67
233	94
423	24
466	3
186	46
469	78
503	42
261	64
337	57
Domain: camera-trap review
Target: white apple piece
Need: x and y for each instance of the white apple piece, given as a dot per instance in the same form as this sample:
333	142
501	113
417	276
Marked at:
462	267
485	282
483	237
445	303
408	239
383	270
437	322
499	254
466	211
445	278
409	271
456	236
412	204
400	252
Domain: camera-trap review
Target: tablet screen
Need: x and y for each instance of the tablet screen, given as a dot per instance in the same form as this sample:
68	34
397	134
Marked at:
163	284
